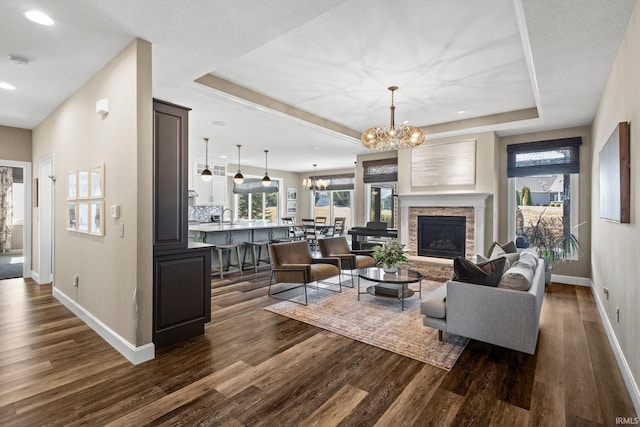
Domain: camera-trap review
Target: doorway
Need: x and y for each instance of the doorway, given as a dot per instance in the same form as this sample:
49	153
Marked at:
15	219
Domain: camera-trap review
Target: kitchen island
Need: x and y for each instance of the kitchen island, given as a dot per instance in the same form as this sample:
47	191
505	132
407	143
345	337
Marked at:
240	232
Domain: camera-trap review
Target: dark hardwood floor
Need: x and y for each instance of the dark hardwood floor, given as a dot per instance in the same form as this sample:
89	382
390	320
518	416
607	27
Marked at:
256	368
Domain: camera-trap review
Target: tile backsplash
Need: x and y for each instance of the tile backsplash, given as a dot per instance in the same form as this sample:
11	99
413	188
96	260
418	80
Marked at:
203	213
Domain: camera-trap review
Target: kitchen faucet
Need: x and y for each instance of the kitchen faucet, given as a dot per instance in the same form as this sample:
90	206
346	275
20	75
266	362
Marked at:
222	215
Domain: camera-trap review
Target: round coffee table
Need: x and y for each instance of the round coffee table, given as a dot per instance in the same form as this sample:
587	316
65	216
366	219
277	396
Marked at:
390	285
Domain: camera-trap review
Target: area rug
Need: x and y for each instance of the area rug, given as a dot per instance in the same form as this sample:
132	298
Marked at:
10	271
376	321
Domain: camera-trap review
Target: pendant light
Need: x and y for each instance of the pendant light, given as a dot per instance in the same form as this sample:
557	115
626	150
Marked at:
206	173
238	178
266	181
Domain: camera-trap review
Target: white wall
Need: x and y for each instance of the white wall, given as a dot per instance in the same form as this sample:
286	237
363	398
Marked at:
616	247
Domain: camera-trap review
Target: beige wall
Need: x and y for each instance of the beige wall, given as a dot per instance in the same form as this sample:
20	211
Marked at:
114	272
616	247
15	144
485	179
581	267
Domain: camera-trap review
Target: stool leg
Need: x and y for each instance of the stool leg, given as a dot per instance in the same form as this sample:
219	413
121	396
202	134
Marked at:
238	254
255	259
221	263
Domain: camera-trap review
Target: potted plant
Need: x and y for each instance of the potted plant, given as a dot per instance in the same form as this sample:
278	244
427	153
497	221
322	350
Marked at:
552	242
389	255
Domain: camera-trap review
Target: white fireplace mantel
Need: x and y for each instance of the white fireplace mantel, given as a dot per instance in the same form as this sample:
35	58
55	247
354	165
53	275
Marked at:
475	200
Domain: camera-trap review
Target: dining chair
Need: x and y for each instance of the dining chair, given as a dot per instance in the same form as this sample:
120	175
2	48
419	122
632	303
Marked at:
338	226
310	232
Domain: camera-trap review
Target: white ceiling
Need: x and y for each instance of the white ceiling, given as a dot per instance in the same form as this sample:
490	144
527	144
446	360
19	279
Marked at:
504	62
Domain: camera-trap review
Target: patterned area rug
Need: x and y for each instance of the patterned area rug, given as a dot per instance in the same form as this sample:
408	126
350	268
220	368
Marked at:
376	321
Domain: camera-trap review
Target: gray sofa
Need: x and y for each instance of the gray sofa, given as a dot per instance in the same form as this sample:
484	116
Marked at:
504	317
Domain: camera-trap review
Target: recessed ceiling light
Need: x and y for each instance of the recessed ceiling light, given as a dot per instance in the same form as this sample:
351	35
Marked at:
223	156
462	111
314	147
405	122
38	17
7	86
218	123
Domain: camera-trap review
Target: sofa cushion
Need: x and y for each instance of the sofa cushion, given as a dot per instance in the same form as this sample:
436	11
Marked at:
486	273
434	305
518	277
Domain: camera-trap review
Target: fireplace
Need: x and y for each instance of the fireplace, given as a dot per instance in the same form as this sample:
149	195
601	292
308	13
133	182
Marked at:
441	236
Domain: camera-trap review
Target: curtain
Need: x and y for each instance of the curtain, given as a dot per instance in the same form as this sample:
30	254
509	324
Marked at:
383	170
553	157
6	208
254	185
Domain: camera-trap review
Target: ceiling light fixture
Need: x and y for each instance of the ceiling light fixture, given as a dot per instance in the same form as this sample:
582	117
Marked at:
266	181
238	178
7	86
392	137
18	60
313	183
206	174
38	17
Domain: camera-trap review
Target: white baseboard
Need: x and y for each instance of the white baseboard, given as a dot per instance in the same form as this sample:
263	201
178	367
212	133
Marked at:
36	277
630	382
571	280
135	355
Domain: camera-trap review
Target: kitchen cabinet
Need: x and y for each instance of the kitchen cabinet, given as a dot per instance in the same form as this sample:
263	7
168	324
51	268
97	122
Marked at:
213	192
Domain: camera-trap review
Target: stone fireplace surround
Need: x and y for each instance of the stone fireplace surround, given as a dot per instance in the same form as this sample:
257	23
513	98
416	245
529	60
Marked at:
470	205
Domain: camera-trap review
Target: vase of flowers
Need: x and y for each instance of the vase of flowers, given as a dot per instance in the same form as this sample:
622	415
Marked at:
389	255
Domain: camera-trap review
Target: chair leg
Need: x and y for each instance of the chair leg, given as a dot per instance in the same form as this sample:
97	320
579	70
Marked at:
270	283
439	335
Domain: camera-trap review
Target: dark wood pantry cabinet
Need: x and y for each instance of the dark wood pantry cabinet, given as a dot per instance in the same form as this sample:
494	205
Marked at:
182	270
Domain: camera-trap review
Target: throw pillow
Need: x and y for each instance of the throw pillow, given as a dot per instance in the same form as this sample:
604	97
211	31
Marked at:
508	248
495	251
486	273
518	277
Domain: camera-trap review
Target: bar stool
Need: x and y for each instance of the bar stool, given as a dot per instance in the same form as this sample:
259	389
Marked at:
256	253
227	248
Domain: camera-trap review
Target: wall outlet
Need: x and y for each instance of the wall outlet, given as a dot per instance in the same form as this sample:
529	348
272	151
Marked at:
75	281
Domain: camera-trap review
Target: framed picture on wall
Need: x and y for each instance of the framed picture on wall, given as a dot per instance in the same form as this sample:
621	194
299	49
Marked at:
97	182
72	186
83	184
292	193
71	216
292	208
96	216
83	217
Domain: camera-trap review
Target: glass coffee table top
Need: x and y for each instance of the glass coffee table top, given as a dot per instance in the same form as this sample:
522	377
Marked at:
390	285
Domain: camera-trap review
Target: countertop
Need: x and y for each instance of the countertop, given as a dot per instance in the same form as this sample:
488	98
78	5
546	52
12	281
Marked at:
212	226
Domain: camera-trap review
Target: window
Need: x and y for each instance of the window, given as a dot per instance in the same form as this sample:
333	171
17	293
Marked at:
255	201
334	204
382	203
543	184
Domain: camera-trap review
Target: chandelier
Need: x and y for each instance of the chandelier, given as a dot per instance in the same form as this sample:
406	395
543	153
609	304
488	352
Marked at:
392	137
313	183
